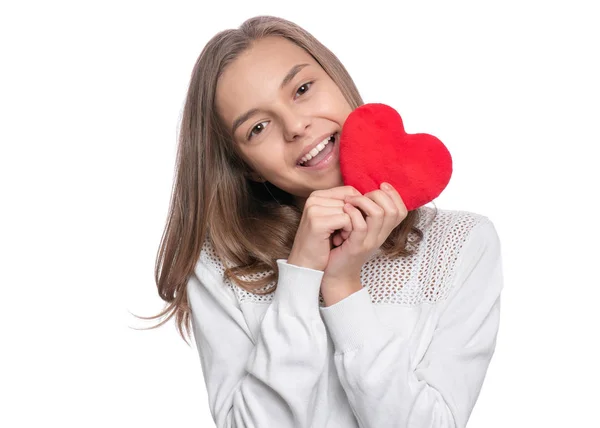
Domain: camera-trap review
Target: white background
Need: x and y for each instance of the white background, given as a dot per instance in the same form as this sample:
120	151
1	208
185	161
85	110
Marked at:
90	99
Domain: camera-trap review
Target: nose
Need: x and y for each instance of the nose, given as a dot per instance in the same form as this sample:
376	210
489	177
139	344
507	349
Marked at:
295	125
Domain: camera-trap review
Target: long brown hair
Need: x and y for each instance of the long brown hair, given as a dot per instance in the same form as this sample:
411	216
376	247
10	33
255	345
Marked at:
250	225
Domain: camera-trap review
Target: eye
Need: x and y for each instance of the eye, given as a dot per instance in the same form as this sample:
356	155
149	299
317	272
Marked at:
304	88
259	127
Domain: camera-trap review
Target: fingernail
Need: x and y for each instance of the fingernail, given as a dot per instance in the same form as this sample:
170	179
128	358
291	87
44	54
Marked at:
386	186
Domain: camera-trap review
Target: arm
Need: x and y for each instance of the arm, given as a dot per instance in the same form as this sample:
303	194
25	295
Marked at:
271	382
385	384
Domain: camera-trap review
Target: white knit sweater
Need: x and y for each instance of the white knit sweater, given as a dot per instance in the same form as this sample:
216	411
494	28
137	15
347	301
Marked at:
410	349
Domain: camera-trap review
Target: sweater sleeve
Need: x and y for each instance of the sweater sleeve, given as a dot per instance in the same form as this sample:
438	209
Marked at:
271	382
385	385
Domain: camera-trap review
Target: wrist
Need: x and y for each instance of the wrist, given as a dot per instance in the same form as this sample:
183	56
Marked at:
300	262
334	290
348	279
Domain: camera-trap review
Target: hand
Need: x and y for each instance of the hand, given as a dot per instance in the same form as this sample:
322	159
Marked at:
323	214
384	210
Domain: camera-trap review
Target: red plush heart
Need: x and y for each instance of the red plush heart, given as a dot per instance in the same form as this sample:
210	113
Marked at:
375	148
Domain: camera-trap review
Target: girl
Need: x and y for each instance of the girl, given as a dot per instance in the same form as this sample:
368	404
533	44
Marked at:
311	304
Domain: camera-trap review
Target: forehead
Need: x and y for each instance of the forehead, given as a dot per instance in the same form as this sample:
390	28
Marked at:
253	79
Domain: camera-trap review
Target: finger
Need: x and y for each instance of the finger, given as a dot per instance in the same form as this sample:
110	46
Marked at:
375	216
393	193
366	204
316	211
359	225
345	234
337	239
335	222
336	192
391	213
324	202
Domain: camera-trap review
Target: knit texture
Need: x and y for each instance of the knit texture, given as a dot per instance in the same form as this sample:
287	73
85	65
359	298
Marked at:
422	277
410	349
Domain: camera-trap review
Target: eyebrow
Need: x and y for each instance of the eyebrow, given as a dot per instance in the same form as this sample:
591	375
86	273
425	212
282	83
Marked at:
287	79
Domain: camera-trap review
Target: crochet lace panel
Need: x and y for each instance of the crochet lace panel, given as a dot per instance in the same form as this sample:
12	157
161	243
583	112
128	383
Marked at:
424	277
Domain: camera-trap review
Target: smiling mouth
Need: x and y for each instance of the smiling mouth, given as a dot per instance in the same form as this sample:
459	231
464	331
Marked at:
324	151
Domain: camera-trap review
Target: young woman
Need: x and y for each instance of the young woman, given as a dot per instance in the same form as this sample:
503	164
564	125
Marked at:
312	305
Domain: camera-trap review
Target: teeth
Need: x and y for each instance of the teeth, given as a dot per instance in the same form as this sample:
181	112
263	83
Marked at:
314	152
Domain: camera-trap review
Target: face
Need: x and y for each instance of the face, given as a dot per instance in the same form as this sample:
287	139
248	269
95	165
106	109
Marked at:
281	102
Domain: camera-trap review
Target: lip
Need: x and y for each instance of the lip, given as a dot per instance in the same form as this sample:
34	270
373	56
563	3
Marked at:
331	157
314	144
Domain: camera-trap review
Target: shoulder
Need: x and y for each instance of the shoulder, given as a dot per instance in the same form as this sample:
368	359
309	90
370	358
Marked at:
209	273
428	275
455	241
209	259
452	230
455	222
212	265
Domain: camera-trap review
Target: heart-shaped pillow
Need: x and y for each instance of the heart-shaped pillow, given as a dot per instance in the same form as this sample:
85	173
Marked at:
375	148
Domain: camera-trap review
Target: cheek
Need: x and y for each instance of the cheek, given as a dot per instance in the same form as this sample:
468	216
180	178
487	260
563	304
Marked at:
333	102
250	157
267	157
